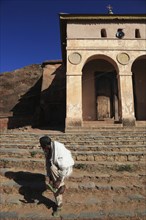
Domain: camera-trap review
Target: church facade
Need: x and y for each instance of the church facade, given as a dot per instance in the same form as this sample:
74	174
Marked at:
105	62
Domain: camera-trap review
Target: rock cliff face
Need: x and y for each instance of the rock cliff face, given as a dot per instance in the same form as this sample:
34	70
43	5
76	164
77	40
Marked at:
23	101
19	90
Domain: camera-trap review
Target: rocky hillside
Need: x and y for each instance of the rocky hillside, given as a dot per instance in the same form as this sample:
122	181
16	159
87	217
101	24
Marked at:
19	90
33	95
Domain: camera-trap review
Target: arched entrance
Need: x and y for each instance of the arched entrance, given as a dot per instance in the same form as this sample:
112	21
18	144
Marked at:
139	87
100	90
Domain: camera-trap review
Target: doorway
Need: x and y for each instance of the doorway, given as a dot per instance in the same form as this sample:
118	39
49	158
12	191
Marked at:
139	87
105	92
100	100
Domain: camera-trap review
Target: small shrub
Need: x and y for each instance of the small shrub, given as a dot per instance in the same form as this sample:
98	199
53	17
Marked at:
126	167
80	166
33	153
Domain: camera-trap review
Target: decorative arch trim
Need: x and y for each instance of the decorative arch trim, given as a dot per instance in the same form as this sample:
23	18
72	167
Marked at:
103	57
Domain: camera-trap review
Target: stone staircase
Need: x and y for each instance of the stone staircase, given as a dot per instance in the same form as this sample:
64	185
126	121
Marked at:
108	182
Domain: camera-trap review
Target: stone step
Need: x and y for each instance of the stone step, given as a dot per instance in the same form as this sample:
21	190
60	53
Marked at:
101	196
77	179
117	148
101	123
26	204
72	147
104	128
81	143
77	135
80	137
77	139
113	132
14	198
77	155
37	163
108	181
12	187
20	199
76	143
110	121
74	215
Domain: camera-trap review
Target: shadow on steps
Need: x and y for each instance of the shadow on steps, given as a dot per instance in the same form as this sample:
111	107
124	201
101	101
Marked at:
32	186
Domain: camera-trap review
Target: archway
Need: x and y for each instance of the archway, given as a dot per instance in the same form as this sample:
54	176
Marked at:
139	87
100	100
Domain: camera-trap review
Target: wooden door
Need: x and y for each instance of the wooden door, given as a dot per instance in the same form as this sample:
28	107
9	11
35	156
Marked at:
103	107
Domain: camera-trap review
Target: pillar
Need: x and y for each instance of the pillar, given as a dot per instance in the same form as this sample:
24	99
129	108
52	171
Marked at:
74	100
127	100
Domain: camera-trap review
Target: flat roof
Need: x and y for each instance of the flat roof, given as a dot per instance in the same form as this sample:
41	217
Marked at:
66	16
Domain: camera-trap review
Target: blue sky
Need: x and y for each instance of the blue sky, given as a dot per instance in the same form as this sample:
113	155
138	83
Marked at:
30	28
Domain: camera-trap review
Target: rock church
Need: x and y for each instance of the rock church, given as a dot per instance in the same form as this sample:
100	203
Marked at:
105	67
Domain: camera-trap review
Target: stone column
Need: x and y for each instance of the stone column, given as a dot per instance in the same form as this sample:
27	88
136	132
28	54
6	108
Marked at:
127	100
115	96
116	108
74	100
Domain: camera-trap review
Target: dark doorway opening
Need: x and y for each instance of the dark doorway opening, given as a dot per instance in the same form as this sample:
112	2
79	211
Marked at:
106	93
